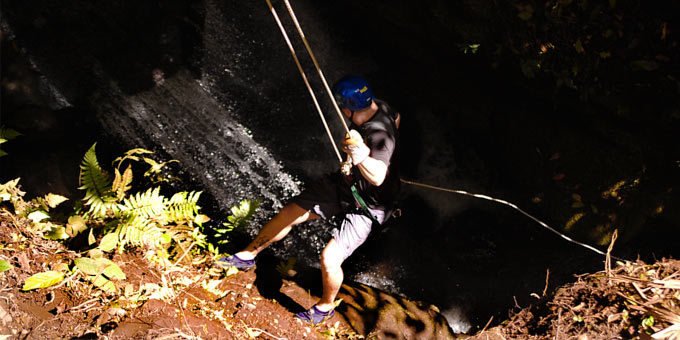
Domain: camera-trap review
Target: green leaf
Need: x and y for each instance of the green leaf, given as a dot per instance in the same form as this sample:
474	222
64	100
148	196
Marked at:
56	233
646	65
200	219
90	239
95	181
88	266
108	242
43	280
95	253
38	216
122	182
5	266
104	284
53	200
8	133
113	271
76	225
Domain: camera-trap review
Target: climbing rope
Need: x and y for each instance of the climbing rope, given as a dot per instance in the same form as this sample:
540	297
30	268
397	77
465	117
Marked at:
344	124
489	198
316	64
304	77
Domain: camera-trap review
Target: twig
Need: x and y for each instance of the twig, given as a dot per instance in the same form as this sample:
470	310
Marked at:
270	334
185	254
516	304
82	304
172	288
639	291
547	276
608	257
559	319
65	281
487	324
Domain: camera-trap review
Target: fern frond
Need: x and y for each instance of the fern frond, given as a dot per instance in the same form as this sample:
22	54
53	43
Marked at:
139	231
242	214
182	207
131	155
95	181
122	182
148	204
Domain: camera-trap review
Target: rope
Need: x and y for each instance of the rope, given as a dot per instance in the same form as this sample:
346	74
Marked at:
304	77
344	124
316	64
488	198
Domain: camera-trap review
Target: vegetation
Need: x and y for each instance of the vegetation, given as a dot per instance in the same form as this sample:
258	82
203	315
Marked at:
112	218
619	55
126	253
5	135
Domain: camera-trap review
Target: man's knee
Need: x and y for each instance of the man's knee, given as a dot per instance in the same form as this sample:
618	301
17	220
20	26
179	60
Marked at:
331	256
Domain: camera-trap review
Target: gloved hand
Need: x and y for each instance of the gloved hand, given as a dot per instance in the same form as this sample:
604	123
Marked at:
354	146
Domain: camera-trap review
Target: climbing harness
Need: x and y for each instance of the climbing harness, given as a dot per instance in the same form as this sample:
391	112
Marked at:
355	193
362	205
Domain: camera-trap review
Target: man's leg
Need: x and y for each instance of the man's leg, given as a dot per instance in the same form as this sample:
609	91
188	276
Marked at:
331	275
353	232
276	229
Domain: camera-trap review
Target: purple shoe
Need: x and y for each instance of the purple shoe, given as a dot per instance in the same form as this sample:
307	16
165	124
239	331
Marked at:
314	315
235	261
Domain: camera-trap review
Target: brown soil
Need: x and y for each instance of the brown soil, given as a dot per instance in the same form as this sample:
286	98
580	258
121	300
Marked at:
234	309
631	301
201	302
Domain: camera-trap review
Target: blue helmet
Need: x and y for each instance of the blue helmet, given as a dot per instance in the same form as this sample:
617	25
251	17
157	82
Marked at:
353	92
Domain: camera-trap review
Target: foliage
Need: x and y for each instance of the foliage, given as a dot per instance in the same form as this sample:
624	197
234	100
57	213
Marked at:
97	185
43	280
240	216
5	135
101	272
614	53
4	266
113	218
145	219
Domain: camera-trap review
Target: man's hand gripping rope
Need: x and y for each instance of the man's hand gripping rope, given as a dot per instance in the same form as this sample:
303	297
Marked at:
355	148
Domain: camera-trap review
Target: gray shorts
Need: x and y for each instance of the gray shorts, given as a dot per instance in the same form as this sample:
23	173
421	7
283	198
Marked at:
327	198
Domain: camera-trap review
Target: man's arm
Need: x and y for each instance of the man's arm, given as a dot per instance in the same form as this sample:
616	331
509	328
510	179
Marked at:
372	162
373	170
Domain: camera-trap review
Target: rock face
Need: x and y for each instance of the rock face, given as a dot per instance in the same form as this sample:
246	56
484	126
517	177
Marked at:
376	313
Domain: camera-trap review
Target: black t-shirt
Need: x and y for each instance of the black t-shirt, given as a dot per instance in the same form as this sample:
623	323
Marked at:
381	136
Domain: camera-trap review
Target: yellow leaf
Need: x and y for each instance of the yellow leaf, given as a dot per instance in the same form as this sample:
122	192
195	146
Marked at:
231	271
53	200
43	280
572	221
38	216
108	242
578	45
76	225
4	266
200	219
90	239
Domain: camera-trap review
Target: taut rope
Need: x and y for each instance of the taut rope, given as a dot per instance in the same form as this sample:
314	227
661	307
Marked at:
344	124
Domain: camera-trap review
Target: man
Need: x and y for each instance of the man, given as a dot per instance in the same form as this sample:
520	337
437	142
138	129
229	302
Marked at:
372	148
